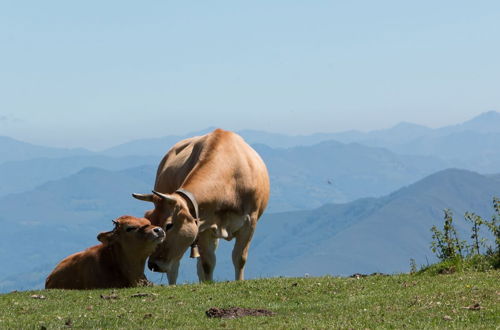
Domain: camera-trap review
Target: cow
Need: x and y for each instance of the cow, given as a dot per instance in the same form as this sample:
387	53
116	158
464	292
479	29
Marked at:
207	187
117	262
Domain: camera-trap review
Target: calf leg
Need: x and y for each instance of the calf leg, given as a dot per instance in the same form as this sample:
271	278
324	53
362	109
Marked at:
240	250
207	244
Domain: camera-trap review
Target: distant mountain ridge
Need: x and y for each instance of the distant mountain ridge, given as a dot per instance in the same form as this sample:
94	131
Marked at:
19	176
14	150
476	150
310	176
301	177
404	132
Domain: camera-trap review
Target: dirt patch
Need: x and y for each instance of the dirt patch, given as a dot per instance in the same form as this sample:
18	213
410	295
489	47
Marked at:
474	307
140	295
358	275
234	312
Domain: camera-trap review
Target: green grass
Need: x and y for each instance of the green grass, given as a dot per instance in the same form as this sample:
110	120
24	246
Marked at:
475	263
398	301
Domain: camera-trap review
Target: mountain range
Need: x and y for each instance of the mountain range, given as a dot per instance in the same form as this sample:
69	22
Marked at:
301	177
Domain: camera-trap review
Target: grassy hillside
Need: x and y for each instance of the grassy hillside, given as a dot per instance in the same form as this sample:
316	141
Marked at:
460	300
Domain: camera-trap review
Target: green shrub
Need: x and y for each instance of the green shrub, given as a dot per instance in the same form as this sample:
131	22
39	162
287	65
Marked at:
456	254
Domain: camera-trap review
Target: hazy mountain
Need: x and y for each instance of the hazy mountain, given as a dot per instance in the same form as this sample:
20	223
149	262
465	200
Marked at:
11	150
152	146
470	150
471	145
308	177
370	235
19	176
301	177
90	194
488	122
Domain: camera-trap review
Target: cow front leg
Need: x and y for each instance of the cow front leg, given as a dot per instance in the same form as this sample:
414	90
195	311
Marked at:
173	272
240	250
207	244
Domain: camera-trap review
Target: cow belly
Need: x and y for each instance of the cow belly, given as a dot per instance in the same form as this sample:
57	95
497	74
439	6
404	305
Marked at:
226	226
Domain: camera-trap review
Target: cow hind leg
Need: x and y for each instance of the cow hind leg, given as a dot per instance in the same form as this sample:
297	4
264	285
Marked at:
240	251
207	244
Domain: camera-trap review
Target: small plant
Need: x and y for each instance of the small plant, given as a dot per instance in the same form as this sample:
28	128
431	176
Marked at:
413	266
476	222
449	248
446	243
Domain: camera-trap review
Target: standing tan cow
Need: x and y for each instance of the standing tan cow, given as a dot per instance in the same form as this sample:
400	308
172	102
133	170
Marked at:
207	187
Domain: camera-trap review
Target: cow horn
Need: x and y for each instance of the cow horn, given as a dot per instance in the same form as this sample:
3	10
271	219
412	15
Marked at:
166	197
143	197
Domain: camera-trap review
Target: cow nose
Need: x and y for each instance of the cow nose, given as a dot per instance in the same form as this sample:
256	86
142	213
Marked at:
159	231
152	266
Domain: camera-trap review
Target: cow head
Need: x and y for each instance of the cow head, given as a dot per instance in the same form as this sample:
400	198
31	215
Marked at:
171	212
134	234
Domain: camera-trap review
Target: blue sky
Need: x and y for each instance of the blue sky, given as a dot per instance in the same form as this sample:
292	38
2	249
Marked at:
98	73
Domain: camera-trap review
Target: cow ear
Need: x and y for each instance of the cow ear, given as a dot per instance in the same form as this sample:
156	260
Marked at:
143	197
106	237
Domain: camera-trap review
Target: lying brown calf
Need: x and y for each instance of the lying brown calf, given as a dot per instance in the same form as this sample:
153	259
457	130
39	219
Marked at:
116	263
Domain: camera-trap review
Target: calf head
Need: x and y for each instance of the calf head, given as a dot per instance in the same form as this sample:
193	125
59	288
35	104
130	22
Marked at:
134	234
171	212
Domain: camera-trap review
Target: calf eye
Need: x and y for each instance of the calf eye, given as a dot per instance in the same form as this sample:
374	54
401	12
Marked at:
168	226
131	228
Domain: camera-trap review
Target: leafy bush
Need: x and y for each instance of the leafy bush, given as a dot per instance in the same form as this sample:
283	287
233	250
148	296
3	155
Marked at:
456	254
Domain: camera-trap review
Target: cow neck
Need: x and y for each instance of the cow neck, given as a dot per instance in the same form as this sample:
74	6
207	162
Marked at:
191	201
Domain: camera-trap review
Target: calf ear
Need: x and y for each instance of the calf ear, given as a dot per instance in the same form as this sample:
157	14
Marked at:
106	237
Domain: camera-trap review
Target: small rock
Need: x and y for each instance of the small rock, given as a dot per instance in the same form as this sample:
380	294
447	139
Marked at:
38	296
447	318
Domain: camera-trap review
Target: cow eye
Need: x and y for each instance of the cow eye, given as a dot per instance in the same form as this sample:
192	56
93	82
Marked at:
168	226
131	228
